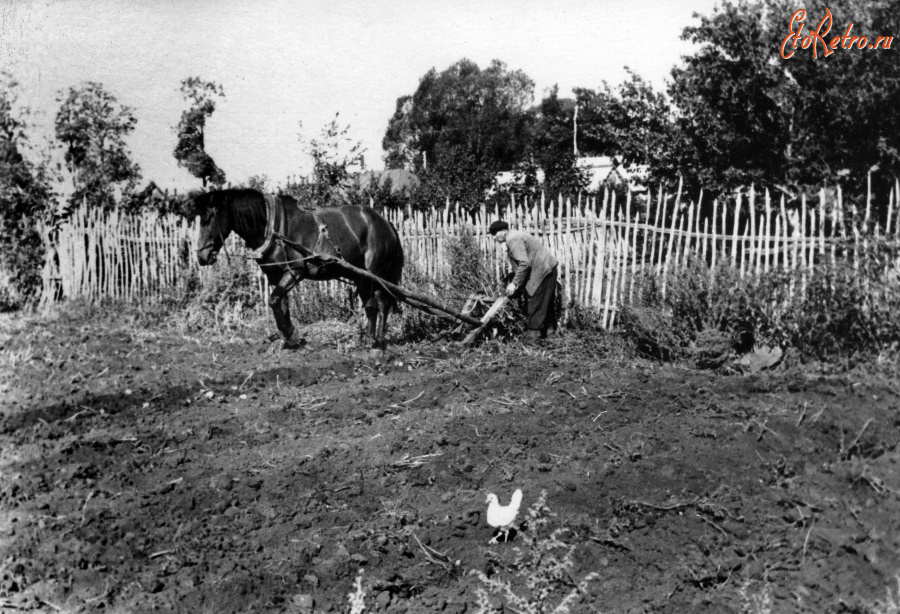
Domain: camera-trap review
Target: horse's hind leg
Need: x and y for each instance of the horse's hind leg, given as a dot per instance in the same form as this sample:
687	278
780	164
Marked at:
384	308
370	304
375	305
372	317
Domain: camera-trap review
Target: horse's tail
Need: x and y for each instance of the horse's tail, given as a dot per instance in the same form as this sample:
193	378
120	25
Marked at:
389	256
399	255
398	262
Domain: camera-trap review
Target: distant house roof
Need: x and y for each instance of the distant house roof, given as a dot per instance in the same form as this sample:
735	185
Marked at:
401	180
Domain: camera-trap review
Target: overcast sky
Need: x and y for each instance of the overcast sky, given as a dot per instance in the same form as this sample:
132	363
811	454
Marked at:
282	62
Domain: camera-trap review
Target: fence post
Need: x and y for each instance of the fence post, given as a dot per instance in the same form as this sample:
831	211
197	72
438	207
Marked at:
734	232
754	252
714	247
868	202
767	257
890	211
646	228
897	204
676	212
657	237
690	238
629	234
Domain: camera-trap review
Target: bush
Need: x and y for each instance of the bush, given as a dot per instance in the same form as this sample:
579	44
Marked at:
830	312
26	197
21	259
667	314
468	274
578	317
844	312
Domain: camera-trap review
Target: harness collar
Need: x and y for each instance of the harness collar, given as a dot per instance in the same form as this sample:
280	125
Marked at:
272	208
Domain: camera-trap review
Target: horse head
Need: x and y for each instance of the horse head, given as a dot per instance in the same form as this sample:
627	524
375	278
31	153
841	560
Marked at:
212	211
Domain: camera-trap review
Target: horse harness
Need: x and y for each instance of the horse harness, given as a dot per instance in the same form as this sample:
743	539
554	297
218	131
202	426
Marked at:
269	242
273	219
273	236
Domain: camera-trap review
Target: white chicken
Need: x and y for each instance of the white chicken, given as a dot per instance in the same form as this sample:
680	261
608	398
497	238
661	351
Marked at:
501	517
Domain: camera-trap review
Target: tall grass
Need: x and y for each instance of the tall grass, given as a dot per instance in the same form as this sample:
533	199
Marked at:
227	298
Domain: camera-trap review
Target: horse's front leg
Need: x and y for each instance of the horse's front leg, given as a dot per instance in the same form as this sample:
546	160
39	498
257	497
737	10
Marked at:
281	310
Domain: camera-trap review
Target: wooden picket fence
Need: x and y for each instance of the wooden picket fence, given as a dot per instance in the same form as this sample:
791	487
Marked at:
603	245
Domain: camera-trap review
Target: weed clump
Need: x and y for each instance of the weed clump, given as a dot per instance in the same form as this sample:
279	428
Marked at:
832	311
542	566
357	598
467	273
225	297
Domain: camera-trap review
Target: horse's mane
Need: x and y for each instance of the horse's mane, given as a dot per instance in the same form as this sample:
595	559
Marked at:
248	209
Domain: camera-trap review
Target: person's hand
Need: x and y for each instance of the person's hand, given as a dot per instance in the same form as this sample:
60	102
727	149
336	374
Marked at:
511	289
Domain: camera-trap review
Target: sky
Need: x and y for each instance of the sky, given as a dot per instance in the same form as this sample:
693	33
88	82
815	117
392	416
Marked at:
288	66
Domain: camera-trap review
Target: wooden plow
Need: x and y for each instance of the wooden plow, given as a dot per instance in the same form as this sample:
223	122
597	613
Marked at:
413	299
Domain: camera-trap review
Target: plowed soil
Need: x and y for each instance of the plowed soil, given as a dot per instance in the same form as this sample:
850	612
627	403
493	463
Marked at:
147	470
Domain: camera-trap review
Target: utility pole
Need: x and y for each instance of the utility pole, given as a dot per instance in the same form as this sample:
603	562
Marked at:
575	132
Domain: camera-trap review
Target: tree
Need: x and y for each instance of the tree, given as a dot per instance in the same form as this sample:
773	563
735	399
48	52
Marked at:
388	189
333	153
728	100
461	126
25	200
526	183
747	115
466	181
639	127
190	150
259	182
552	145
598	123
92	127
844	110
631	122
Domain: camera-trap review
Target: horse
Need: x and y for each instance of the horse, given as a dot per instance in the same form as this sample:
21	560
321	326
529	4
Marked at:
357	234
